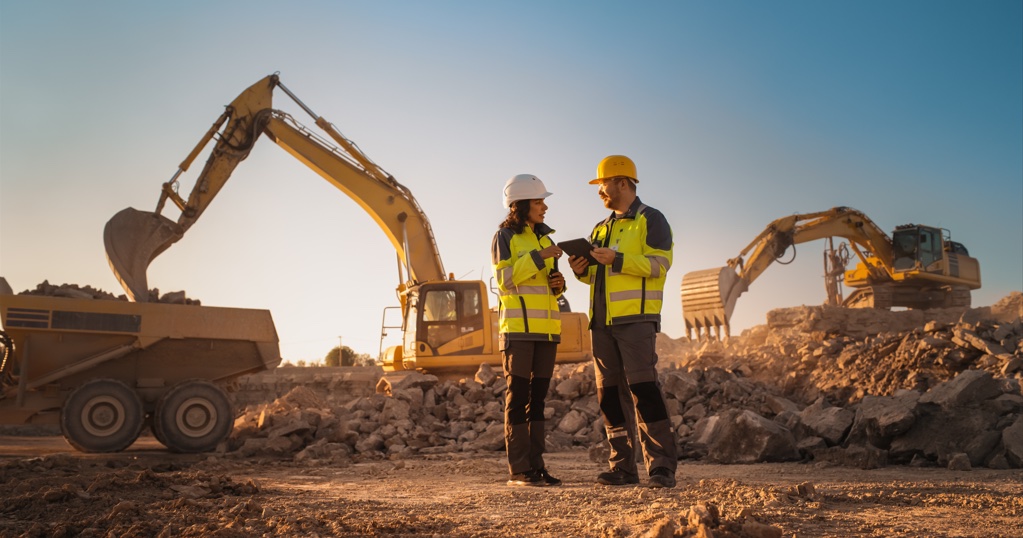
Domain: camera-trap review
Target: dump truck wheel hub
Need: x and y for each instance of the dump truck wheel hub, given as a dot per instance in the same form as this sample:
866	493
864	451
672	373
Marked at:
103	416
196	417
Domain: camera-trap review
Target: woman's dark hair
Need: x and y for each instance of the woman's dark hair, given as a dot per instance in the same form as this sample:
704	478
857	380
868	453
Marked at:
518	214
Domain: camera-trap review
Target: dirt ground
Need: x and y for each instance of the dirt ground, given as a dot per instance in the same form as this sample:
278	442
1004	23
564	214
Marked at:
49	489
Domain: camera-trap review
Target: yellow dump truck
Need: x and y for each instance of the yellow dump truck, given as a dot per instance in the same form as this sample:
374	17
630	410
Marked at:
105	369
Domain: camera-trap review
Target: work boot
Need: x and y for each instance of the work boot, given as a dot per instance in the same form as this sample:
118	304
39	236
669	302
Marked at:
617	477
548	479
528	478
662	477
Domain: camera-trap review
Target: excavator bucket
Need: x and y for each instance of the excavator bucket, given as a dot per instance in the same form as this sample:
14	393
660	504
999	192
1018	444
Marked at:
133	239
708	298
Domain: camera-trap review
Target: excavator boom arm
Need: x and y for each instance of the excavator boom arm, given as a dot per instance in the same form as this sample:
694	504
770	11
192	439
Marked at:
709	296
842	222
134	238
390	204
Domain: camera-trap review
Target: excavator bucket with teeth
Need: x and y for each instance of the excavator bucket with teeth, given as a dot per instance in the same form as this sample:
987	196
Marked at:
708	299
133	239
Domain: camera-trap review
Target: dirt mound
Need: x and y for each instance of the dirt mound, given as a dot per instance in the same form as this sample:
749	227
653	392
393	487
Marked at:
75	291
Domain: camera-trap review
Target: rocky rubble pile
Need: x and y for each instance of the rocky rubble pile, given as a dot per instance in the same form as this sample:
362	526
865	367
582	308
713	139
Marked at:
846	354
418	413
74	291
972	420
816	385
868	387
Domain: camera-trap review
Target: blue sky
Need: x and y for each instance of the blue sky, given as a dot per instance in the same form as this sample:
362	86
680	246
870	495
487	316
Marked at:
736	113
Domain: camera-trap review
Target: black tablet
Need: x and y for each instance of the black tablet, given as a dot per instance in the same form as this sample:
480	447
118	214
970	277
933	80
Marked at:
579	247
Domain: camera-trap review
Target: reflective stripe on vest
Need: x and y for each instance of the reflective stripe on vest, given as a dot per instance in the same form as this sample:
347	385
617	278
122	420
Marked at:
628	296
528	310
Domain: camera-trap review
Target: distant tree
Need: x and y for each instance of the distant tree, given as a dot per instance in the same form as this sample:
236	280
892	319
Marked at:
348	357
363	359
333	358
301	363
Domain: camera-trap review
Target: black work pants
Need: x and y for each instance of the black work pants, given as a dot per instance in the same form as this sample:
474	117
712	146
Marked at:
528	367
626	355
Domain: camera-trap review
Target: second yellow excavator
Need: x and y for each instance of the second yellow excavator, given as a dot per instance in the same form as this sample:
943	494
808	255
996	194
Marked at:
918	267
447	324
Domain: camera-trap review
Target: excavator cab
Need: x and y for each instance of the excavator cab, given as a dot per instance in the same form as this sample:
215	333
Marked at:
446	324
917	247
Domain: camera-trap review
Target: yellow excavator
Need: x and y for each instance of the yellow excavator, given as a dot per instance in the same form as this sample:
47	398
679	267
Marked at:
447	324
918	267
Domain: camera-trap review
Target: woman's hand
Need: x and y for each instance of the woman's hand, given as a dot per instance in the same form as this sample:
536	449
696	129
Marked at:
553	251
557	282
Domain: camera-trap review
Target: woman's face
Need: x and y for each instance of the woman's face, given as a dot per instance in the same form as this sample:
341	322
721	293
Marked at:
537	209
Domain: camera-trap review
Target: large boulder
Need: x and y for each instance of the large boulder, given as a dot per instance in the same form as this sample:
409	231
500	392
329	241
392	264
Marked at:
939	436
879	419
827	422
969	387
742	436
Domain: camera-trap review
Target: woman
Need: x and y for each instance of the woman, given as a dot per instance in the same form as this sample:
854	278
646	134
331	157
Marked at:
526	269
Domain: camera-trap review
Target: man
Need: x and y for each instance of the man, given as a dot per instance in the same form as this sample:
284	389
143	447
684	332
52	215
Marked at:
633	250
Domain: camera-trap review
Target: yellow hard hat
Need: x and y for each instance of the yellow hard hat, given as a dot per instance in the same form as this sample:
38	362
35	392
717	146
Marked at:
615	166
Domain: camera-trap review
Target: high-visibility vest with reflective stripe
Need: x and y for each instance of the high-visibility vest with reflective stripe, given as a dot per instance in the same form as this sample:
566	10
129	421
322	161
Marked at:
528	308
634	282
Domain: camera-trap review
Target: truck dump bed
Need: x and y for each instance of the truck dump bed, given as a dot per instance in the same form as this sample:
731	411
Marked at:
56	345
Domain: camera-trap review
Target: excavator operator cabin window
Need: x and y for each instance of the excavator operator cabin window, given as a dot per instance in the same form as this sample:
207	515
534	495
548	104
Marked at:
904	249
930	248
439	316
472	311
440	306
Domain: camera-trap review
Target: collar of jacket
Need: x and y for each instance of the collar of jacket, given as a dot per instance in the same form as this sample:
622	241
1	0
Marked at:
629	213
541	229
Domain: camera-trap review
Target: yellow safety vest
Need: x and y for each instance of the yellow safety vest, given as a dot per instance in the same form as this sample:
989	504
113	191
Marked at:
528	307
634	282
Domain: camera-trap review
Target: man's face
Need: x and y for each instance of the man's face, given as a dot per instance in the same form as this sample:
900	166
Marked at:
610	191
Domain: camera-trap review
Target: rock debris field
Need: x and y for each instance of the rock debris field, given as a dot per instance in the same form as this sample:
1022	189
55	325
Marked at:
822	422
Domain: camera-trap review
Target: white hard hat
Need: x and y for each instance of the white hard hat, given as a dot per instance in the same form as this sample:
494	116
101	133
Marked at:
524	187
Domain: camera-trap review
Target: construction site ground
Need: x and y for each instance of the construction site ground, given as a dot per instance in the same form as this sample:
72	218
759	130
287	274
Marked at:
51	490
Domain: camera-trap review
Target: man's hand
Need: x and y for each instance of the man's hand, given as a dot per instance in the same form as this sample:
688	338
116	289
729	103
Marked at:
578	264
603	255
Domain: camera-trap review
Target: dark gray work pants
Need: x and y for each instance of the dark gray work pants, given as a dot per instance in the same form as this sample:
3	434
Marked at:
528	367
626	355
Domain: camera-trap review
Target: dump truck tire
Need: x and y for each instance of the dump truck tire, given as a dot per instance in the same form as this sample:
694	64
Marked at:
193	416
102	415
